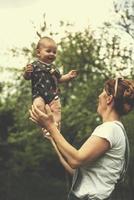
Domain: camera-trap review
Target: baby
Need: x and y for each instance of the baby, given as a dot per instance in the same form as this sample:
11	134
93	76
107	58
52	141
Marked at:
45	78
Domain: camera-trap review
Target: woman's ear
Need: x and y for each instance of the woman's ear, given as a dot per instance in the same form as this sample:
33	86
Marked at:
109	99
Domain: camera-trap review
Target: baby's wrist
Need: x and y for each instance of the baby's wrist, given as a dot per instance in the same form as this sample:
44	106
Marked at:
28	73
69	76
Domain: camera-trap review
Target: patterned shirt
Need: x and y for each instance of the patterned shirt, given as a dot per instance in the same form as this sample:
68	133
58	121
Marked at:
45	81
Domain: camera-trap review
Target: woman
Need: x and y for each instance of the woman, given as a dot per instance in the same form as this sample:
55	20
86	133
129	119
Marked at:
98	165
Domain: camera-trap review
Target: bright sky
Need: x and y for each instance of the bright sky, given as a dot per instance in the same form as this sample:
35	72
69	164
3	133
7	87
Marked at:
17	18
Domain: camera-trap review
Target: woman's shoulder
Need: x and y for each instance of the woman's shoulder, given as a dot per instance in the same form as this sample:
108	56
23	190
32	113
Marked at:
111	124
110	131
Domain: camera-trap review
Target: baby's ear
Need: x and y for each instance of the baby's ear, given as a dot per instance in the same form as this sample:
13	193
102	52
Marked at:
37	52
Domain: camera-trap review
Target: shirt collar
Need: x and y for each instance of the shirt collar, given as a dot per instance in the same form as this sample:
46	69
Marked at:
45	63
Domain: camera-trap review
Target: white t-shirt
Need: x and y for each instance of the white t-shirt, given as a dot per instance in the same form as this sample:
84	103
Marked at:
99	178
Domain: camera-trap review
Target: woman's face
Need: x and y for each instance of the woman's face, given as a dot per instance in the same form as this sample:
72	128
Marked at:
102	102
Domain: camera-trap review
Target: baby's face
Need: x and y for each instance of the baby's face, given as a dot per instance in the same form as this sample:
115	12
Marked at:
47	51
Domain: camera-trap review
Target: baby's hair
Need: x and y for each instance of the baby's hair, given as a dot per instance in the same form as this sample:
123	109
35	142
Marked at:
124	100
42	39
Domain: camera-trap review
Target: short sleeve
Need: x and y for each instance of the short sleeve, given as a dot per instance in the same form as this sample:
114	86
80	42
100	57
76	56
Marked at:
106	131
57	74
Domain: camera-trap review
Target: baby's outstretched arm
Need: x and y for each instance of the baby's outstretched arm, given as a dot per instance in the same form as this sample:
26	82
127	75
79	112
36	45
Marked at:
27	72
67	77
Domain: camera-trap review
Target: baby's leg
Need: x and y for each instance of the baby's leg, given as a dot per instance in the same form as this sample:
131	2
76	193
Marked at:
55	106
40	103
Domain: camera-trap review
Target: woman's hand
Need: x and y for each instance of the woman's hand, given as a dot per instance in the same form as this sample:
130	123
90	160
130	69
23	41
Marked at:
45	120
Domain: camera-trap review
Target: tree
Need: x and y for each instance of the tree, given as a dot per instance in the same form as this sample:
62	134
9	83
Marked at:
125	11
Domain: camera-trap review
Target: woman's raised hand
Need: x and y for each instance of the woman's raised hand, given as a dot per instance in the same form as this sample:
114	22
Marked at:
43	119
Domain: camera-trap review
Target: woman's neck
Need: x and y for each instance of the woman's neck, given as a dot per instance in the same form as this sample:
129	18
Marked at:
110	116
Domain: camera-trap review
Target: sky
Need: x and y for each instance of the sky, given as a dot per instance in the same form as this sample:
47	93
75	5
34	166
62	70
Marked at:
19	17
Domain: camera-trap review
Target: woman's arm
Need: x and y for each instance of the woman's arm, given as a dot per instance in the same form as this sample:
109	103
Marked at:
93	148
61	159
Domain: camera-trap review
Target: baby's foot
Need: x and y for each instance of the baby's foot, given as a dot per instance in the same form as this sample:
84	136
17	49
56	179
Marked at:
45	132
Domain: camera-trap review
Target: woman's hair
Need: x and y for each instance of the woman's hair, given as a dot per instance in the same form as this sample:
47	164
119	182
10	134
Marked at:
123	93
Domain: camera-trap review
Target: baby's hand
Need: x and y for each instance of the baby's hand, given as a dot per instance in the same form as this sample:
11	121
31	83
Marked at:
27	72
28	69
73	73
